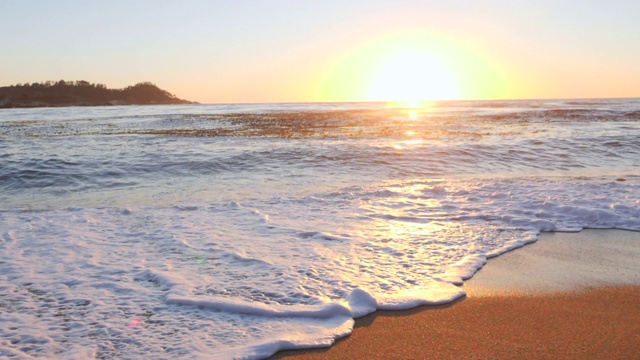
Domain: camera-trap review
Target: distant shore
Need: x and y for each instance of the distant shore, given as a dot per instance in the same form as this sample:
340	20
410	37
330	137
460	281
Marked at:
80	104
43	105
82	93
509	316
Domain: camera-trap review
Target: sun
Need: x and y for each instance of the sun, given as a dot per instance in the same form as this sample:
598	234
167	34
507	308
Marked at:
408	68
411	77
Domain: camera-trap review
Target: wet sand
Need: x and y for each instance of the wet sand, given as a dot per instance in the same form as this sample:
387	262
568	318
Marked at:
568	296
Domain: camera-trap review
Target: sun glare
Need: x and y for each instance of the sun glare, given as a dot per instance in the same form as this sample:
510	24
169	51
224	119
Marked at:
412	77
409	68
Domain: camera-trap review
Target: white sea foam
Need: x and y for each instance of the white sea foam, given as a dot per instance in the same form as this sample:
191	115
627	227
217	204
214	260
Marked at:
240	246
84	276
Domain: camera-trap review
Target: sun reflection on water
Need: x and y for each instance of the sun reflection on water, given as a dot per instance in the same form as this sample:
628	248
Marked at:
406	144
397	239
412	109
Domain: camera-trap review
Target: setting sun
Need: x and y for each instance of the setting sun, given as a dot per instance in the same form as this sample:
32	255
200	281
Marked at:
409	67
411	77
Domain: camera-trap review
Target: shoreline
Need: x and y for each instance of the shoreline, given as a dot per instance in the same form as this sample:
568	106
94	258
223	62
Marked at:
581	304
598	323
562	261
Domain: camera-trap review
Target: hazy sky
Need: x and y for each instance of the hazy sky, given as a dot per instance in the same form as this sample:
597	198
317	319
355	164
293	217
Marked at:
290	51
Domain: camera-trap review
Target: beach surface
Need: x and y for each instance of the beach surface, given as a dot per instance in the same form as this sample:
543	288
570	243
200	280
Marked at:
239	230
567	296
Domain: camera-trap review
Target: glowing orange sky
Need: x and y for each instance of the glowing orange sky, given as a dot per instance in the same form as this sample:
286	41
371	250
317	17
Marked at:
290	51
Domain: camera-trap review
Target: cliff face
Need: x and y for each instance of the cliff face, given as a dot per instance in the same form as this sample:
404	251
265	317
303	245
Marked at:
83	93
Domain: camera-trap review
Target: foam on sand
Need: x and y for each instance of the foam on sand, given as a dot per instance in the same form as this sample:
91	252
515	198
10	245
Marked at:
550	299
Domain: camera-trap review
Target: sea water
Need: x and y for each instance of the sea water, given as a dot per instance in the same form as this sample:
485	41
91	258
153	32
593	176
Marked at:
235	231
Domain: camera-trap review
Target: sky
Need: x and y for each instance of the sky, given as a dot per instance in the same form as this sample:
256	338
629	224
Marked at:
245	51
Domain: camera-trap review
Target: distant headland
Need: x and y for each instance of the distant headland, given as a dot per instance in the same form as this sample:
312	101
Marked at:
83	93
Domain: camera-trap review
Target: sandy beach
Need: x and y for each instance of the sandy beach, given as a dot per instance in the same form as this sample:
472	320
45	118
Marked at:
567	296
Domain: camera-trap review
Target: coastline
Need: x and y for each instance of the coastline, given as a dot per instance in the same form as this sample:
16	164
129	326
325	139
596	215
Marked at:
581	303
187	225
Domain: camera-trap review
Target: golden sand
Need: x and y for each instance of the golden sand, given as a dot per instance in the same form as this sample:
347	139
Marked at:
539	302
601	323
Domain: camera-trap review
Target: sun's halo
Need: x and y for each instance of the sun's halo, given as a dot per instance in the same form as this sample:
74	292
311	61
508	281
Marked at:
407	68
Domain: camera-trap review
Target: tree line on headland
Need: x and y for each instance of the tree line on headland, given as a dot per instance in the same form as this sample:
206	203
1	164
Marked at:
83	93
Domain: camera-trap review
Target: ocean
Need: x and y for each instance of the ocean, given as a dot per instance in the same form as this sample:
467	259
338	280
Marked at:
235	231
